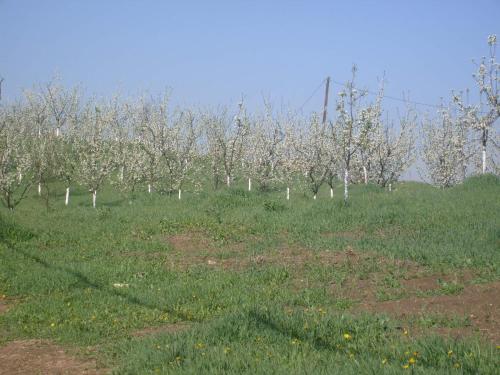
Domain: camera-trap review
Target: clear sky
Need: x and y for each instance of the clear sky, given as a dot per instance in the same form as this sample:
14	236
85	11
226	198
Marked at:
210	52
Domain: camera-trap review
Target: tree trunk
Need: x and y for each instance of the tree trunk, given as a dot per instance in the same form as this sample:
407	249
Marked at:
287	193
66	199
228	180
346	185
39	189
365	173
180	192
249	184
331	192
484	159
94	197
149	188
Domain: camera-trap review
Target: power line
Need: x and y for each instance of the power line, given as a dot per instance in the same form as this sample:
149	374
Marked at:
392	97
314	93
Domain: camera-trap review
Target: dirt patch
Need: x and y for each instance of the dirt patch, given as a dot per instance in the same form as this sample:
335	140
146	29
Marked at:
436	281
167	328
481	303
197	248
42	357
3	307
190	242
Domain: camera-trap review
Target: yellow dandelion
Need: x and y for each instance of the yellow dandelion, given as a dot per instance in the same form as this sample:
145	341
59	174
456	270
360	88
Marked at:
412	361
52	324
405	332
384	361
227	350
456	365
450	353
406	366
295	341
407	352
347	336
415	354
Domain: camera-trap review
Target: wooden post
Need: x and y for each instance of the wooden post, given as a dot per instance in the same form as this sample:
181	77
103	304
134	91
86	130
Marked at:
325	105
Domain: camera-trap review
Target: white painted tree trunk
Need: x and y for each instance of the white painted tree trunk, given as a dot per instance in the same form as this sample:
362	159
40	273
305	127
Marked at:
39	188
314	197
66	199
365	173
20	177
484	159
346	185
228	181
180	193
390	187
58	132
287	193
94	197
121	173
249	184
331	193
149	188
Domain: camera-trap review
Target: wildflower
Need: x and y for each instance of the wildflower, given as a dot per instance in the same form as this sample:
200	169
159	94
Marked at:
295	341
199	345
347	336
450	353
405	332
415	354
456	365
498	346
406	366
384	361
227	350
52	324
412	361
407	352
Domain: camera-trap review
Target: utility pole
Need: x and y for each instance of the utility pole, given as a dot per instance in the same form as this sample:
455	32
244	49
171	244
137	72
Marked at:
325	106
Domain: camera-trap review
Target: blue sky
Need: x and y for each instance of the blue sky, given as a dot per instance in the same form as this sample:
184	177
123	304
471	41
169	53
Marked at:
210	52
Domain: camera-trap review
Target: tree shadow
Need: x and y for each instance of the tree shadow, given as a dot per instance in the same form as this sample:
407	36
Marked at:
88	283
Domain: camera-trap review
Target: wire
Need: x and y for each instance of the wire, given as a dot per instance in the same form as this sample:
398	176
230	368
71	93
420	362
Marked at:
391	97
311	96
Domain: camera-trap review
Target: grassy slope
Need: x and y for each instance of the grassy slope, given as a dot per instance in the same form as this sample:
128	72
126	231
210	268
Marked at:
61	265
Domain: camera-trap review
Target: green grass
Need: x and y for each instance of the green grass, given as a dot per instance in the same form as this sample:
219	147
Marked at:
58	267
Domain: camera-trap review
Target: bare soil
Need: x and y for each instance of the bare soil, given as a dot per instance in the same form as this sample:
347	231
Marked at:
42	357
480	303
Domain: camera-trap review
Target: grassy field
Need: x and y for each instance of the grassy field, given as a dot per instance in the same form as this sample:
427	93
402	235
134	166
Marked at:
246	282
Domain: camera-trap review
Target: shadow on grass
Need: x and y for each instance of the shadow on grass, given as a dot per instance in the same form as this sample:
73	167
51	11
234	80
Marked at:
282	329
87	282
